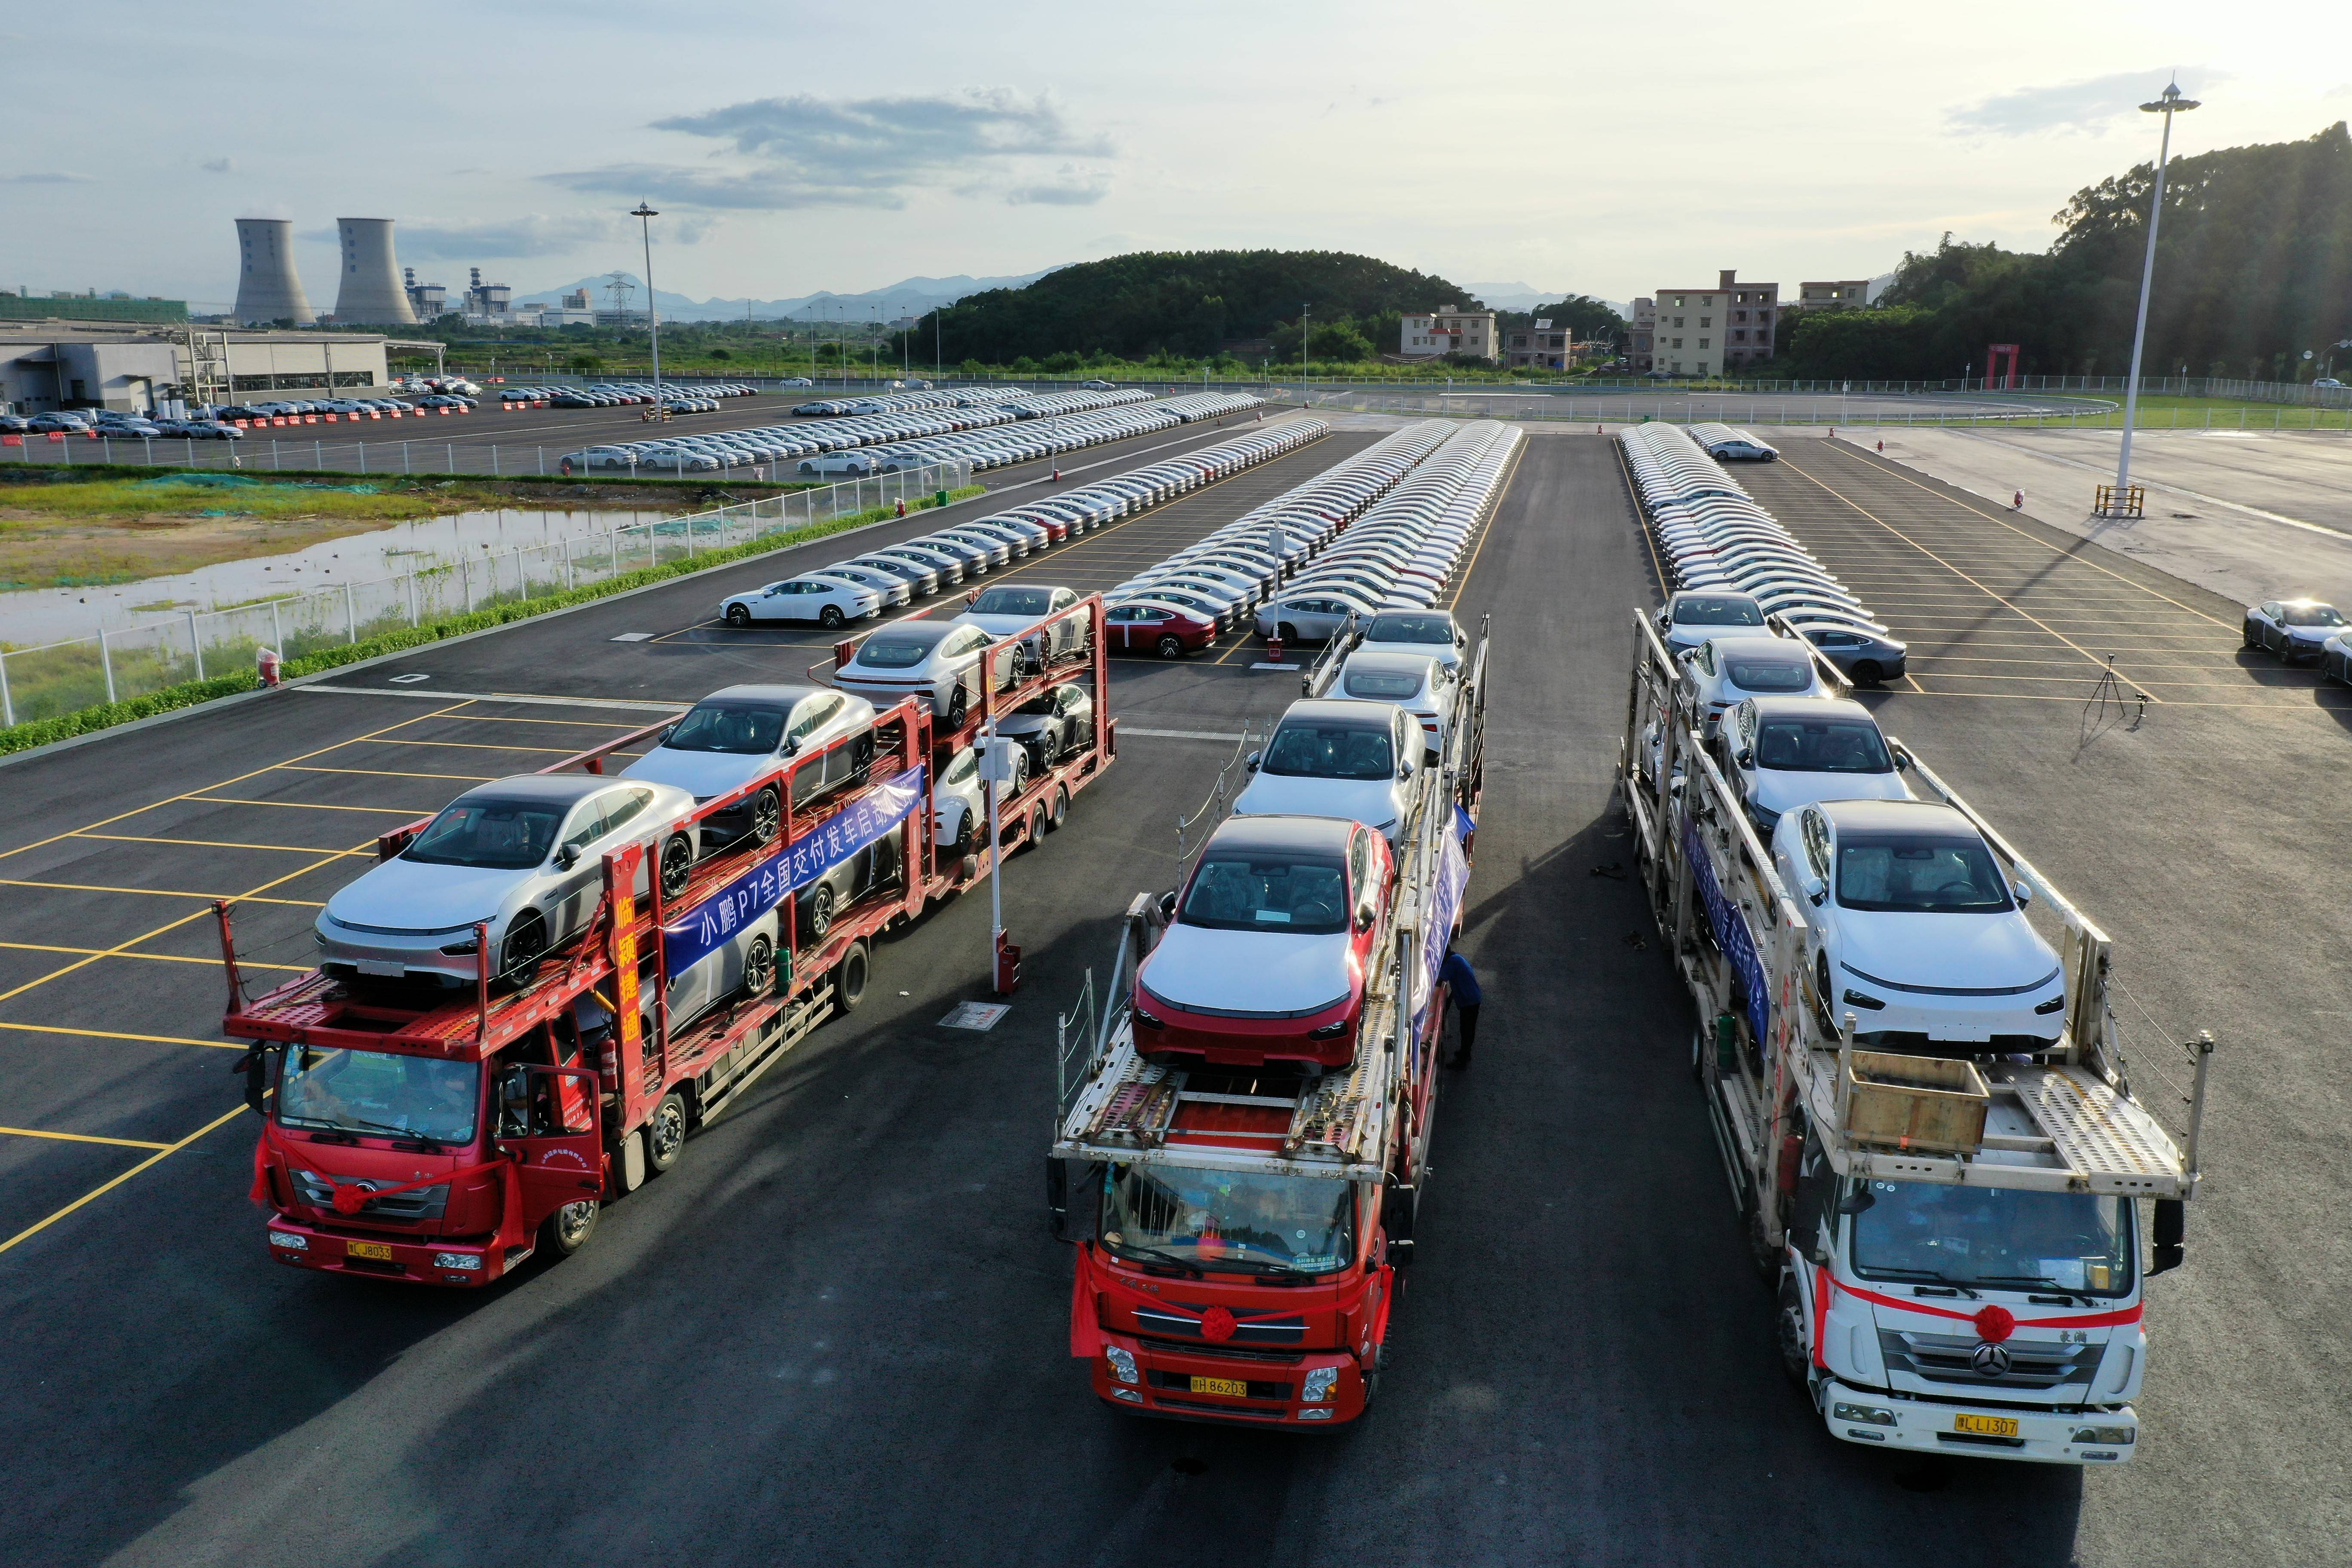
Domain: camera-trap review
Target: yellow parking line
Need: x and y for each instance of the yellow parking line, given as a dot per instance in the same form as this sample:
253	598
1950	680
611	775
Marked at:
391	773
82	1138
99	1191
160	893
573	723
312	806
152	957
119	1035
493	746
223	844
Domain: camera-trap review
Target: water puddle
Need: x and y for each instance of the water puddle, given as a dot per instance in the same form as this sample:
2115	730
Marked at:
33	615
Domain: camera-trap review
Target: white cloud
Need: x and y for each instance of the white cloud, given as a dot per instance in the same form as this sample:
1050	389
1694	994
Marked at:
52	178
2085	105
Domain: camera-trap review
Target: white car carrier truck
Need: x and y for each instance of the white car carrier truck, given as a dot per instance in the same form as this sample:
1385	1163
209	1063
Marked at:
1954	1235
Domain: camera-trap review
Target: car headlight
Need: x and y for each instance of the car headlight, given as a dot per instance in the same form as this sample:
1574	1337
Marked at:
2054	1005
464	1260
288	1240
1871	1003
1329	1031
460	949
1122	1363
1148	1020
1318	1386
1868	1414
2118	1436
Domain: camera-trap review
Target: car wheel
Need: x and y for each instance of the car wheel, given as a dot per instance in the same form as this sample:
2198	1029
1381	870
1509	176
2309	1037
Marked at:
676	865
961	846
1821	989
1061	812
2249	637
738	616
1788	1334
666	1133
1867	672
524	947
567	1230
819	911
1286	632
830	618
1172	647
849	977
766	816
760	967
956	706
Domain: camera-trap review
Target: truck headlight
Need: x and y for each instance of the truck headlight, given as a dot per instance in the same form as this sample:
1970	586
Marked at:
1868	1414
292	1242
2118	1436
1122	1363
1318	1386
466	1261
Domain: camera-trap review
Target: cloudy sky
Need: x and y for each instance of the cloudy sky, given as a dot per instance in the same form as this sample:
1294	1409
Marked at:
1600	148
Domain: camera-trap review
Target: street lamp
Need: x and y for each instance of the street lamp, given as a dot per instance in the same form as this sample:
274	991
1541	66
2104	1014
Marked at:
645	215
1302	352
2170	104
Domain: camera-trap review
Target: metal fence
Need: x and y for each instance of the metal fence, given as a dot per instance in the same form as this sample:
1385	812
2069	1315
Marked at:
115	665
1832	410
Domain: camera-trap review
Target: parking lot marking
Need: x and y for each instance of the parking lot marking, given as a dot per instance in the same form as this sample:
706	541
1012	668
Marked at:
119	1035
82	1138
311	805
165	1152
223	844
150	957
161	892
532	699
389	773
484	746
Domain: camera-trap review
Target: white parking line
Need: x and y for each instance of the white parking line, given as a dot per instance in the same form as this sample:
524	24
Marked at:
1181	734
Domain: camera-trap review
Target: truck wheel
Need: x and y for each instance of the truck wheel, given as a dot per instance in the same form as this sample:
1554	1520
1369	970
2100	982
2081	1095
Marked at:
1061	812
676	865
1795	1345
666	1133
766	816
1036	824
567	1230
1698	1055
849	978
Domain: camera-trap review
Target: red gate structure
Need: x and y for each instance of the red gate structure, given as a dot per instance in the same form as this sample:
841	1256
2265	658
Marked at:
2001	367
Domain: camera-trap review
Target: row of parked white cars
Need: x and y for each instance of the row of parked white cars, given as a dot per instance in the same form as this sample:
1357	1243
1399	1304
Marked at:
1029	439
902	401
1733	564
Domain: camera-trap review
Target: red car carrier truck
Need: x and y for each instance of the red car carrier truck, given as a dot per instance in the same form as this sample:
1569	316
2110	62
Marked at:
442	1137
1936	1154
1248	1223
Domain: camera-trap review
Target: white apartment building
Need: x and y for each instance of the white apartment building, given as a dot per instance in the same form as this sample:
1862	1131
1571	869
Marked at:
1448	332
1705	332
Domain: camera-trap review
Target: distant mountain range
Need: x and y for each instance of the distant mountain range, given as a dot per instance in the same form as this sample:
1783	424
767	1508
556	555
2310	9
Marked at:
907	297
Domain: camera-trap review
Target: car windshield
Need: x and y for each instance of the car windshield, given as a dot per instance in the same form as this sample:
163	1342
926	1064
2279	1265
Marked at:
895	653
1411	628
1382	683
1994	1236
1705	612
1769	675
1228	1219
1822	746
501	835
1267	890
1310	751
725	727
1918	875
2313	616
1013	602
377	1092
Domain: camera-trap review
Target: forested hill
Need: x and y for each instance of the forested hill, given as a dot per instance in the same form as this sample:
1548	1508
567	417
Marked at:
1183	302
2253	265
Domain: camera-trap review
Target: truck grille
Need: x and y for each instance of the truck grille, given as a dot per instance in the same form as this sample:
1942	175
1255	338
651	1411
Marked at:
1170	1325
407	1208
1949	1358
1226	1352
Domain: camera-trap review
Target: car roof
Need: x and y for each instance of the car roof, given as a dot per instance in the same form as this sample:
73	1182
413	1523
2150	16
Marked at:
1898	816
1416	664
1811	708
1789	648
1346	714
781	696
925	632
555	789
1327	835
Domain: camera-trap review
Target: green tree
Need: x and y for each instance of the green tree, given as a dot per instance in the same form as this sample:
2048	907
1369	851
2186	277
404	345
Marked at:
584	362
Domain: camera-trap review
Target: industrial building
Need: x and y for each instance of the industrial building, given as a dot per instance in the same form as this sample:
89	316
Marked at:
269	290
53	364
371	294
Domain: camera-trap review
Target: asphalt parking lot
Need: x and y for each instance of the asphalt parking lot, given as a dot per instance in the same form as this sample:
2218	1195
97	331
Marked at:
840	1323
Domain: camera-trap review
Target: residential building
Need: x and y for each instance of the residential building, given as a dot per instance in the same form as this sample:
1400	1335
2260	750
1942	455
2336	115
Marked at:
1638	331
1706	331
1852	293
1447	331
1542	346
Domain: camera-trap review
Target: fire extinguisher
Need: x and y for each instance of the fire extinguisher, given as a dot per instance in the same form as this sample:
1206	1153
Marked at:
271	666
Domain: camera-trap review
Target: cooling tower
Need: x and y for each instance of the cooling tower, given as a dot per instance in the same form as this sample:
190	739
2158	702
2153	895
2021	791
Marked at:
267	288
371	292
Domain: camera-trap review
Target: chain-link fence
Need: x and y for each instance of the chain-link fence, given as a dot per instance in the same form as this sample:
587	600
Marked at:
57	678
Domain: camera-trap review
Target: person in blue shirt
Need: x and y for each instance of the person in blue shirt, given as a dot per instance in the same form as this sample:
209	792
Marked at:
1461	982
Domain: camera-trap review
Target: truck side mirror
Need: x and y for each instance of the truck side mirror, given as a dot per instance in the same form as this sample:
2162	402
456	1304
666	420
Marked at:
1856	1200
254	1066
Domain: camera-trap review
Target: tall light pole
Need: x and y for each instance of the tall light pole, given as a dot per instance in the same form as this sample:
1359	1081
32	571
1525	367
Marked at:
1302	348
2170	104
645	215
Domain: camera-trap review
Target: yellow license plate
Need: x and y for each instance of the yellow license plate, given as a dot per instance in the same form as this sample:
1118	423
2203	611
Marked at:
1986	1425
382	1253
1229	1387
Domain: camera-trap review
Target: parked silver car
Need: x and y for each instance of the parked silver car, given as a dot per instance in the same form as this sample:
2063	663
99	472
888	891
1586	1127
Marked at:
734	735
524	855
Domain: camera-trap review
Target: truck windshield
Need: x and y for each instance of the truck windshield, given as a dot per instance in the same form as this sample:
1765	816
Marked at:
1918	876
1227	1219
378	1093
1995	1238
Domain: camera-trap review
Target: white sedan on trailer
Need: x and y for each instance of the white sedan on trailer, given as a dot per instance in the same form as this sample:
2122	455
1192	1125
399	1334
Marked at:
1780	752
830	602
1720	672
1415	683
1916	932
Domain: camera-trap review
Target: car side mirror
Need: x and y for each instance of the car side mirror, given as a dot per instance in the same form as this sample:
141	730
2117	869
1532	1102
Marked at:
1251	760
568	855
1404	768
1815	890
1364	918
791	744
1901	761
2025	894
1744	758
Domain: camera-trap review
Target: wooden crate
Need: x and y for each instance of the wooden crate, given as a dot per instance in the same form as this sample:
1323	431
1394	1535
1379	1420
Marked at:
1916	1102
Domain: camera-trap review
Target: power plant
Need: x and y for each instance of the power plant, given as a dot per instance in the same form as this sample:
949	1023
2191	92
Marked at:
269	289
371	293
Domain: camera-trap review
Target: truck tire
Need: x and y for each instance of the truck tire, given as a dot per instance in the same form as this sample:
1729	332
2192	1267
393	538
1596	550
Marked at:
1788	1334
849	977
1036	826
666	1133
1061	812
567	1230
